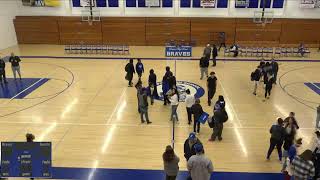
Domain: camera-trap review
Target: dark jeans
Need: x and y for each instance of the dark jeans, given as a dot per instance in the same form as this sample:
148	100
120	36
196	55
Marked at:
214	60
275	77
275	143
267	90
170	177
3	75
217	131
196	126
189	115
211	93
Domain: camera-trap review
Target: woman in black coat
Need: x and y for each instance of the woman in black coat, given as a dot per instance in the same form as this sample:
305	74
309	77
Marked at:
130	71
214	54
197	111
153	85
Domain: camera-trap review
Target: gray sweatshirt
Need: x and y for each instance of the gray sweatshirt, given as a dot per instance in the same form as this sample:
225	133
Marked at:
200	167
172	168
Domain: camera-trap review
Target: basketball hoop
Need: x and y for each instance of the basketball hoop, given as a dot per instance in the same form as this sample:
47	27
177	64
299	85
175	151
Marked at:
263	17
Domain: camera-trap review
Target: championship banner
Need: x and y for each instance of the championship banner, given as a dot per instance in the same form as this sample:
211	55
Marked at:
153	3
41	3
178	51
207	3
307	4
242	3
86	3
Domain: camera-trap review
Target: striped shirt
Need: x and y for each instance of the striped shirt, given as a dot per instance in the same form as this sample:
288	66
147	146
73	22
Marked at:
302	169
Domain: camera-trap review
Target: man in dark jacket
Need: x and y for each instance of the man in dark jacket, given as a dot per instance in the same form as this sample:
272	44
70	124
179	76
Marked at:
275	69
214	55
255	77
130	71
3	71
189	145
277	136
139	69
152	81
204	64
220	116
197	111
211	85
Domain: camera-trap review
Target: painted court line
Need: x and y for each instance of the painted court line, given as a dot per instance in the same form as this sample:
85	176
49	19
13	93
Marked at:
164	58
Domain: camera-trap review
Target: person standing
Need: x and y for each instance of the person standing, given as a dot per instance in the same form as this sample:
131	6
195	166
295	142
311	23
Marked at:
275	69
212	86
220	116
15	66
255	77
199	166
190	100
204	64
165	89
3	71
291	153
207	52
197	111
130	71
268	83
302	166
214	55
170	163
289	135
276	140
318	117
152	80
138	87
143	105
174	99
189	145
222	39
220	104
30	138
168	72
139	69
293	119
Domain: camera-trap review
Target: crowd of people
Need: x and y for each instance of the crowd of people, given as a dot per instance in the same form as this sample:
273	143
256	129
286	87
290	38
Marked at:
283	132
266	72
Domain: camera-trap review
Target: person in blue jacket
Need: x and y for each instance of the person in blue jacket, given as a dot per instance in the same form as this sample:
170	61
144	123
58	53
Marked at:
165	89
139	69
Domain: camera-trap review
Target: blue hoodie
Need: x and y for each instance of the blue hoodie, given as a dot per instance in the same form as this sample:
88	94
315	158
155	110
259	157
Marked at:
139	68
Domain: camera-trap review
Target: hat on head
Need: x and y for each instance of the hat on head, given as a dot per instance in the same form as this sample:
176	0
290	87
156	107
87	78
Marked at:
198	147
192	135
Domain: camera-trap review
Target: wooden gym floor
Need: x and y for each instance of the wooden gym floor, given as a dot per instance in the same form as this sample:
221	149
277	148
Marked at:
90	114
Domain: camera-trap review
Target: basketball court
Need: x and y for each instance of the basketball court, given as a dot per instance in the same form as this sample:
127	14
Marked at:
84	107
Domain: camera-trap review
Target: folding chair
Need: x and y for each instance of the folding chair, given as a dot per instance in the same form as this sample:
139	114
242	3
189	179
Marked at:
67	49
126	50
307	52
277	52
259	52
226	52
104	49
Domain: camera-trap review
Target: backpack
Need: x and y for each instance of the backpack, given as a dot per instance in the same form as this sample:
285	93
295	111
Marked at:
253	76
211	122
225	117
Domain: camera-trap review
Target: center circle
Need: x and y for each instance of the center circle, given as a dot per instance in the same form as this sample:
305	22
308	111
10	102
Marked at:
182	86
